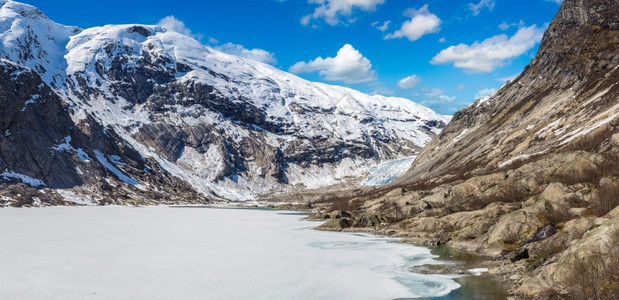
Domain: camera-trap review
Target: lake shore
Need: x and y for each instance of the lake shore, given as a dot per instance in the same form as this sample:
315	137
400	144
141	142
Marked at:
494	280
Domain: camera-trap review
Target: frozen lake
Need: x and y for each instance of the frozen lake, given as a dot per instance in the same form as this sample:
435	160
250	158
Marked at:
199	253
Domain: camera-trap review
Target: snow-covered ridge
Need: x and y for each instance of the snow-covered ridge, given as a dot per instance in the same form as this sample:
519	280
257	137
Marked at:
262	83
259	128
31	39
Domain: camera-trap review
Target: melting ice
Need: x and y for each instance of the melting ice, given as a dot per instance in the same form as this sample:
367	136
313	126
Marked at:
197	253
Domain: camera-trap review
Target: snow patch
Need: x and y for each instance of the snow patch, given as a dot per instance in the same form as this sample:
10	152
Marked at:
24	178
586	130
6	201
67	146
519	158
117	160
120	175
70	196
30	101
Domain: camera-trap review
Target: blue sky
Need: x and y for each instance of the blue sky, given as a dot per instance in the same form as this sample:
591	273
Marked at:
440	53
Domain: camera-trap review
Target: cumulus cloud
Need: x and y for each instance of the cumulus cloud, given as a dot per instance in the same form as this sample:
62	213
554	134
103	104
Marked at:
483	93
409	82
383	27
334	12
491	53
173	24
349	66
476	8
255	54
422	22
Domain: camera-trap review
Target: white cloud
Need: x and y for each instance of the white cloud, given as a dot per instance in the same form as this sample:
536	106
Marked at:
491	53
432	92
332	11
504	26
476	8
422	22
383	27
213	41
435	96
348	66
442	40
173	24
255	54
409	82
555	1
461	87
483	93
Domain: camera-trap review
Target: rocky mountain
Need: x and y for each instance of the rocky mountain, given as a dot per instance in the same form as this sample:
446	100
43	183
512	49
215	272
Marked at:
569	90
528	175
139	114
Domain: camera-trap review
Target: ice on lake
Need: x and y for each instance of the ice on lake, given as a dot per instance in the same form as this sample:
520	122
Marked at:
198	253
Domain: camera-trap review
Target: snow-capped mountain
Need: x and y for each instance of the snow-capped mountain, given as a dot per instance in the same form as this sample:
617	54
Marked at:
228	127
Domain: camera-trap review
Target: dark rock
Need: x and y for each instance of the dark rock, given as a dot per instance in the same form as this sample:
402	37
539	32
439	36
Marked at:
141	30
336	224
519	254
339	214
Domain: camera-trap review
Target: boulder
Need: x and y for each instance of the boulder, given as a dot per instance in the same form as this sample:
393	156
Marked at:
554	192
336	224
370	220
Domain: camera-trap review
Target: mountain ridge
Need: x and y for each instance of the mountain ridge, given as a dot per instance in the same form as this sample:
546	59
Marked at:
231	128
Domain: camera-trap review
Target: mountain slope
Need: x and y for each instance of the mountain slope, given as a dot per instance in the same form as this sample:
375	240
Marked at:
528	175
43	149
568	91
231	128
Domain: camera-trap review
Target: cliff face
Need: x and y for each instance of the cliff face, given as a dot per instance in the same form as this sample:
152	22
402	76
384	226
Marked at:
43	149
568	90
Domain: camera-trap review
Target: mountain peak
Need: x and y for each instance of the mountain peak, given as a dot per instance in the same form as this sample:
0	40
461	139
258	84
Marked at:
227	126
30	38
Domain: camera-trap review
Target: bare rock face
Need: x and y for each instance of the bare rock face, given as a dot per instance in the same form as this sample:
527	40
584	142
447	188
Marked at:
33	120
41	147
568	90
